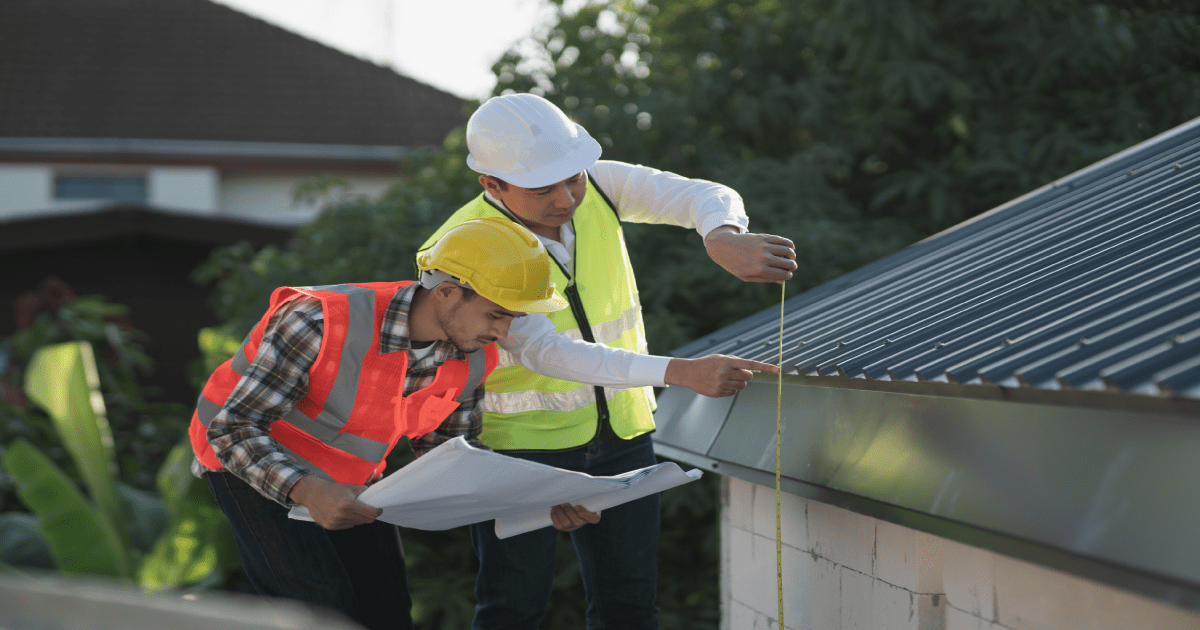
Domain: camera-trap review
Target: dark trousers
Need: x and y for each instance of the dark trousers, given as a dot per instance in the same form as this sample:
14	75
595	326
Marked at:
358	572
617	556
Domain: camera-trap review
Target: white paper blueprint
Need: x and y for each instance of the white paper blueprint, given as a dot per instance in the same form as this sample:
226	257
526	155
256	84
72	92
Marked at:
457	484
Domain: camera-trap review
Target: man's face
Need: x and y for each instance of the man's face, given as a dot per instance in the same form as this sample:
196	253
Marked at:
471	323
548	207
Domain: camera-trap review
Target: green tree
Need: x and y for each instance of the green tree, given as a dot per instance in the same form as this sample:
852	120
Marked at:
854	127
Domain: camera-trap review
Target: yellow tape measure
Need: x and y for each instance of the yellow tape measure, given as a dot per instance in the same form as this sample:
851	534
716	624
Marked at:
778	432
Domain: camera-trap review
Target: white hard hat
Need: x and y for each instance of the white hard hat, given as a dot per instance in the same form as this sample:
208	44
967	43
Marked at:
526	141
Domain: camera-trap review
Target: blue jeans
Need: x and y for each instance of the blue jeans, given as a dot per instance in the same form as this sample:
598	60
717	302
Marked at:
617	556
358	572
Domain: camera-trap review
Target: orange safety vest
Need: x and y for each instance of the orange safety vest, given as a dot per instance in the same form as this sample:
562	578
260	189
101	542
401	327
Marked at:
355	409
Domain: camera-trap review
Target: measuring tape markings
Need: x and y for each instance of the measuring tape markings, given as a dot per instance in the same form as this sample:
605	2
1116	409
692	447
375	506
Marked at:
778	431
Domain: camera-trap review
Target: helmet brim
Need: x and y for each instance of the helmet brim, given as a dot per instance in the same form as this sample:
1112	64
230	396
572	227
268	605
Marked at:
549	305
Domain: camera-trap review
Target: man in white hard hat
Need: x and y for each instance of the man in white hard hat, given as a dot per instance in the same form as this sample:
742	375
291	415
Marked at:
543	171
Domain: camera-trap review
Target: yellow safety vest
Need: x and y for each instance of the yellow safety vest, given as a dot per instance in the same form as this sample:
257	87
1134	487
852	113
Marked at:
527	411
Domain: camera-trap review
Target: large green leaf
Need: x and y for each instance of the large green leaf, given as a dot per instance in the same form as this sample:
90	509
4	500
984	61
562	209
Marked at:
80	540
63	380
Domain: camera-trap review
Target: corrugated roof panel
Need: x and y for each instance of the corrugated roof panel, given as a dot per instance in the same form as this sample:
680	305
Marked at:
1123	343
1182	380
1045	351
1092	282
1141	372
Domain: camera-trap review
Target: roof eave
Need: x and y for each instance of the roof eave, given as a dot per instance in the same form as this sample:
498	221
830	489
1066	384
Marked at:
223	150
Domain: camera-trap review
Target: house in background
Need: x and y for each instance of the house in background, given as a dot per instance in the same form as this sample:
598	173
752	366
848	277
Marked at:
997	428
137	135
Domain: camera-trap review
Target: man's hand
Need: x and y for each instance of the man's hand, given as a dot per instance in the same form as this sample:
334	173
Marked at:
715	375
333	505
568	518
752	257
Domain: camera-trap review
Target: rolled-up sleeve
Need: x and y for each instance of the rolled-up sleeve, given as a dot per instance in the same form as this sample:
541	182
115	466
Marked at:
276	379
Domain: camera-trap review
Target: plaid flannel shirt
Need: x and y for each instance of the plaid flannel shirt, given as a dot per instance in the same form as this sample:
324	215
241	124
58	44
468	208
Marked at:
278	376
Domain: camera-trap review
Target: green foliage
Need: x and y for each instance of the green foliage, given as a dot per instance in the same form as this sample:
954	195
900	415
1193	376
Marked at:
852	127
96	321
63	380
197	544
22	543
33	426
81	540
108	533
143	430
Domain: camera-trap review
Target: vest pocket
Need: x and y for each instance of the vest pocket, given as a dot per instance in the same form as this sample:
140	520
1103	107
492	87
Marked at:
435	410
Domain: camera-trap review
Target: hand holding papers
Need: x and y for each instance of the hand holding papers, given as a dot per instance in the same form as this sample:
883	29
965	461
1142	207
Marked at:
456	484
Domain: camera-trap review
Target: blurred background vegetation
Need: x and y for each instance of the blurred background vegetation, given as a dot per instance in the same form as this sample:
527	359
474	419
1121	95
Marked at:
852	127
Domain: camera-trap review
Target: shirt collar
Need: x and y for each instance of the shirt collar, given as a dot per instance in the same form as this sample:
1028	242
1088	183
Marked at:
394	333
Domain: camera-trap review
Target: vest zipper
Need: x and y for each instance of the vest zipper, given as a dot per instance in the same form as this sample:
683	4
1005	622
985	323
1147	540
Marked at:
604	429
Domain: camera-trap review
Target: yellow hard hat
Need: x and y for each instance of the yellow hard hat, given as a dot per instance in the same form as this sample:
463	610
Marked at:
500	260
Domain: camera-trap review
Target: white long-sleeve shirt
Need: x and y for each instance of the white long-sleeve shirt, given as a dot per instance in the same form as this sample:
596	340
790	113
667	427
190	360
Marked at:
639	195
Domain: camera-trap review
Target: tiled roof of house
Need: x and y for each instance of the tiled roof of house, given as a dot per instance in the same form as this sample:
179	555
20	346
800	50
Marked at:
195	70
1091	283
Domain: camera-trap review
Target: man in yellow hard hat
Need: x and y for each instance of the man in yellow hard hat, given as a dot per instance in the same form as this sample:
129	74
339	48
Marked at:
542	171
328	382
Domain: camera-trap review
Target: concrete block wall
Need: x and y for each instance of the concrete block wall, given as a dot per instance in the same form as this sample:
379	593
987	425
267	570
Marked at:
847	571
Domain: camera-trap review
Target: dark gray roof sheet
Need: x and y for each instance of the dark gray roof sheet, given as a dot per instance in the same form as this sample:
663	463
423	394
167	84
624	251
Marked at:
1090	283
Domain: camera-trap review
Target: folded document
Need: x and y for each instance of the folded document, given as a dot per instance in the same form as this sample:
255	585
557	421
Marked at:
457	484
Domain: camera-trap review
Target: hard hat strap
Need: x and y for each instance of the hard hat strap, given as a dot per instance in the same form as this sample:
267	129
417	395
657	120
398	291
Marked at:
430	278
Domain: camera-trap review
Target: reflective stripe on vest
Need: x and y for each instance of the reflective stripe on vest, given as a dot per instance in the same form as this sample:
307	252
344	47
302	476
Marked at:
527	411
364	308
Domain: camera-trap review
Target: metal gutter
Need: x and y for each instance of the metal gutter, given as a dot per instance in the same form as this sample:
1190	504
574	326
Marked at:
1106	493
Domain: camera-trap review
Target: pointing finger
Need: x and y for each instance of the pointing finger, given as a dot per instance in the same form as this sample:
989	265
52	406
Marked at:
757	366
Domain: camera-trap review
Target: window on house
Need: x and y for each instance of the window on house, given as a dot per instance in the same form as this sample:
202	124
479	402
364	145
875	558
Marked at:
131	189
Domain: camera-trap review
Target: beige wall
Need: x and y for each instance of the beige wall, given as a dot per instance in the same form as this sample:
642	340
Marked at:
269	198
27	191
845	571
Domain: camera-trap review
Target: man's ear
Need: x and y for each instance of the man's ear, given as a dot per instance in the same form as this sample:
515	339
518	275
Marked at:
444	292
489	184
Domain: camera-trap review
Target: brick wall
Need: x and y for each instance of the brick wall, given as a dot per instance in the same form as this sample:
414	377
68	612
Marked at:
846	571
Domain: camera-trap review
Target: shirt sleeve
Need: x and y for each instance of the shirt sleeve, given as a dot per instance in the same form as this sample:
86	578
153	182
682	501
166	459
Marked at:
278	376
534	342
645	195
466	420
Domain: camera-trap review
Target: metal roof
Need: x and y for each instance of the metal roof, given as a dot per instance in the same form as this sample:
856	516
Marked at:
1089	283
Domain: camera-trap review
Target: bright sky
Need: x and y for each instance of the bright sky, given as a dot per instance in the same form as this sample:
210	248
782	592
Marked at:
449	44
